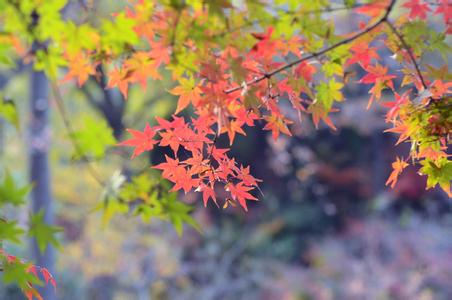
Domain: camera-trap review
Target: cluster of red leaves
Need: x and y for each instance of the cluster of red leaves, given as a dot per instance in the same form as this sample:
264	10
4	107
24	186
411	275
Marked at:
234	88
420	9
30	291
206	164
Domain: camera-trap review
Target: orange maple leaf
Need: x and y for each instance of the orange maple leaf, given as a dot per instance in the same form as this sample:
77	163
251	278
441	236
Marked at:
120	78
80	68
277	124
397	167
186	95
142	67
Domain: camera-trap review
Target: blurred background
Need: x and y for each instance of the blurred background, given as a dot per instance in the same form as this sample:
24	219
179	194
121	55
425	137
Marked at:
326	226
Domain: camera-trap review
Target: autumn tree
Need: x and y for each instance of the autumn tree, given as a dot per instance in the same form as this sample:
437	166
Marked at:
237	64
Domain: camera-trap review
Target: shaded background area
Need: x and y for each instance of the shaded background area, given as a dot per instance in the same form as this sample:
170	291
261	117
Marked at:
326	227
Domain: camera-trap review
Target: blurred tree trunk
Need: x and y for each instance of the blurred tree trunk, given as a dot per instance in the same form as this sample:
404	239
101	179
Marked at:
41	197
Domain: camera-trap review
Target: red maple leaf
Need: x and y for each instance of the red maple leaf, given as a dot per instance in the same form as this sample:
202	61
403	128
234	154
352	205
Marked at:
240	193
48	277
207	193
246	177
142	141
445	8
32	269
374	8
169	167
378	76
265	46
160	53
362	54
394	106
183	180
417	9
165	124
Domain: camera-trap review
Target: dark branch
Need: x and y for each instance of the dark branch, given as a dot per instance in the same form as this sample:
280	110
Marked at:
316	54
408	50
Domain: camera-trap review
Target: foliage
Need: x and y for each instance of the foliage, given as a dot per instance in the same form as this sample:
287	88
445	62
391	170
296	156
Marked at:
15	270
149	198
236	65
43	233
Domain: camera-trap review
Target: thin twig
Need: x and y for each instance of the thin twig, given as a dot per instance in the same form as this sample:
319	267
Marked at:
316	54
250	23
408	50
61	109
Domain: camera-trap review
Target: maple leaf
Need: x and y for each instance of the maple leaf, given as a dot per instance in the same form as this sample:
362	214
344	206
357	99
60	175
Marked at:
48	277
397	167
438	88
32	292
378	76
374	8
277	124
142	67
203	124
265	46
207	193
165	124
305	70
32	269
160	53
169	138
240	193
218	154
120	78
232	128
394	106
431	153
362	54
319	113
169	167
245	116
198	164
417	9
402	129
142	140
80	67
246	177
183	180
178	174
187	93
445	8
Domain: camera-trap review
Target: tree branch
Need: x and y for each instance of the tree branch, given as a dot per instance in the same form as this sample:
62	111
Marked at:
71	132
408	50
316	54
329	9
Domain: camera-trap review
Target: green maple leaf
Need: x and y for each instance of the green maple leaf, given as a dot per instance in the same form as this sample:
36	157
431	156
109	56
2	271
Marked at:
9	231
328	92
42	232
11	193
